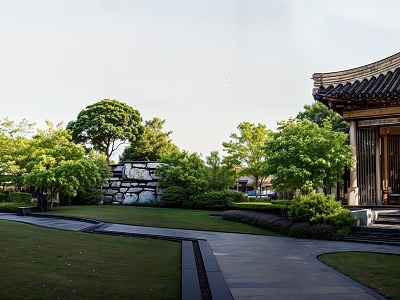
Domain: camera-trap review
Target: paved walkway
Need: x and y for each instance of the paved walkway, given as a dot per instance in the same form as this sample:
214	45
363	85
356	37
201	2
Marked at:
257	267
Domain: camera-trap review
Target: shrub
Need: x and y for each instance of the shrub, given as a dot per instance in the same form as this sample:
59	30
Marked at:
3	197
10	207
235	196
173	196
20	197
319	209
286	202
315	231
267	221
286	227
90	195
209	200
276	209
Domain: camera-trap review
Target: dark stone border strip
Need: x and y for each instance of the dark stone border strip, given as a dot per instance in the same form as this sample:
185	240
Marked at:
219	287
190	279
96	227
65	218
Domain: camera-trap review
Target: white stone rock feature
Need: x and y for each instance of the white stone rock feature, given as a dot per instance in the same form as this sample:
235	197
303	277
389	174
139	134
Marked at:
132	182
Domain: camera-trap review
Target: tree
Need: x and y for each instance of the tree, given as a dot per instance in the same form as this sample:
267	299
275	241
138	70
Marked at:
151	145
304	156
182	169
59	165
106	125
318	113
218	175
14	150
246	151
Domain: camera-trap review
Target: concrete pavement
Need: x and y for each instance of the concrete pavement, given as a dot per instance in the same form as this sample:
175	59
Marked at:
254	267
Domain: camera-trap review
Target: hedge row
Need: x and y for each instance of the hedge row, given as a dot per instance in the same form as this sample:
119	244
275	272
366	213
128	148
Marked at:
283	226
15	197
10	207
20	197
280	209
175	196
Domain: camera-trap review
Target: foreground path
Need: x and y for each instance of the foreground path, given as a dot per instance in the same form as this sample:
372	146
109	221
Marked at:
255	267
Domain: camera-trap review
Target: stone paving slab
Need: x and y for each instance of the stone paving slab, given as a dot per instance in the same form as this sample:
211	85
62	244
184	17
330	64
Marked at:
277	266
57	223
262	267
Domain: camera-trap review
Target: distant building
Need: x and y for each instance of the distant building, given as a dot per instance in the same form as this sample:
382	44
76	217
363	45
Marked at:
246	183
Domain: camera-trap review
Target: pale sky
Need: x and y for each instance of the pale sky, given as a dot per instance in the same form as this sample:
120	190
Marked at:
203	65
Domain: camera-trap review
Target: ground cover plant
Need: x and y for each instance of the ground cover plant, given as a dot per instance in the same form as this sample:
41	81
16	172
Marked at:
159	217
313	216
377	271
39	263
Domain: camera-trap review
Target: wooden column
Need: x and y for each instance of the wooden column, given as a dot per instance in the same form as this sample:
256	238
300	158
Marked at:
378	176
353	197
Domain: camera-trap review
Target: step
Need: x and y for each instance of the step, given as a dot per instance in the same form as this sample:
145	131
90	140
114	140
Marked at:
375	235
384	242
387	220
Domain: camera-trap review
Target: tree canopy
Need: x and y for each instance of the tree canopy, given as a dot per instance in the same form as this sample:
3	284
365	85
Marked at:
218	175
59	165
14	150
182	169
106	125
304	156
318	113
246	150
151	145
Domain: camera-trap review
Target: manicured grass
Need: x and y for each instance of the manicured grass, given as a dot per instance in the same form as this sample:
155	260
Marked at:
159	217
38	263
378	271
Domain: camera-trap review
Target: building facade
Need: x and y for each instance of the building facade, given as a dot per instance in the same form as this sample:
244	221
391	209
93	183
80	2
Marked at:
368	97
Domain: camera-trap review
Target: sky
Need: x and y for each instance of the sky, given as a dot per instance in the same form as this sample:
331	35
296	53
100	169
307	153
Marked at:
202	65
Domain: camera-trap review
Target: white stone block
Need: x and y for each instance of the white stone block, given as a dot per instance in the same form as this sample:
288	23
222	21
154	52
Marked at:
130	198
118	168
152	165
147	196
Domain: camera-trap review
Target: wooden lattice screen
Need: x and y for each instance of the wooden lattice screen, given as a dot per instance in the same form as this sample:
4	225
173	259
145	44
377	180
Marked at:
366	165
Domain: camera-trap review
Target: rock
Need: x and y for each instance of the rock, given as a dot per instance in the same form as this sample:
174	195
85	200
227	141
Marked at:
147	196
130	198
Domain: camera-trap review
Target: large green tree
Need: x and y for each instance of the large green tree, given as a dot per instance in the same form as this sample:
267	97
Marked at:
151	145
183	169
14	150
304	156
246	151
318	113
106	125
218	175
59	165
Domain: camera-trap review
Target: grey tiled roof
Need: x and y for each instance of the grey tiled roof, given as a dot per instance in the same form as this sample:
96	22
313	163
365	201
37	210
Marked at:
381	86
366	86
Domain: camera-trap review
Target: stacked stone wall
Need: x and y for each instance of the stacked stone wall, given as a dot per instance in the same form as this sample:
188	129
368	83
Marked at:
132	183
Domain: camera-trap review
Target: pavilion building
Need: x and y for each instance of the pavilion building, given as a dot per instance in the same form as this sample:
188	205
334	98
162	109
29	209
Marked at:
368	97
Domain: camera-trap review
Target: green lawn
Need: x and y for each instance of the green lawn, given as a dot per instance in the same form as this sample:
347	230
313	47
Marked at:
380	272
158	217
39	263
